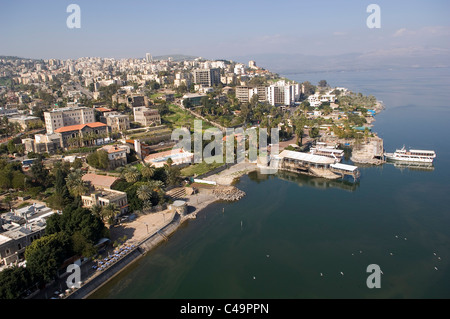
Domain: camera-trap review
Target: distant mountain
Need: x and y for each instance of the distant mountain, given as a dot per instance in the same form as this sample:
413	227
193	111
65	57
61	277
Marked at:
394	58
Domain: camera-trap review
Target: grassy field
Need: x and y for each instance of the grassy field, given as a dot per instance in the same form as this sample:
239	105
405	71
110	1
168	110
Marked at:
180	118
199	169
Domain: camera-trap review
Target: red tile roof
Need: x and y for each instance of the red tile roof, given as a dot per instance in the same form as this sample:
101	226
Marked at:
102	109
78	127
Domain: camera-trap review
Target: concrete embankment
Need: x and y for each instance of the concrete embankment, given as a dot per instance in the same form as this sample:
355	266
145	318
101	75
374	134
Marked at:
99	280
144	246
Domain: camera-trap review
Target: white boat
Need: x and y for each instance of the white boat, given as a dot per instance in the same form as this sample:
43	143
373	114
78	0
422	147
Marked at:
418	156
328	152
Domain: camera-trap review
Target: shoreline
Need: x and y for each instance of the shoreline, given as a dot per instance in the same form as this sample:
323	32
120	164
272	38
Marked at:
195	204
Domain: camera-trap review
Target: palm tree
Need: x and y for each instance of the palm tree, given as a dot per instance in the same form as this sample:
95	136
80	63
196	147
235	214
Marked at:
110	212
148	170
96	210
156	185
144	192
75	183
131	174
299	132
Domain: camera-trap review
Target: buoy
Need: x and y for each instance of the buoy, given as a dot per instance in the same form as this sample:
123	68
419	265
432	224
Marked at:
321	275
391	254
435	268
342	273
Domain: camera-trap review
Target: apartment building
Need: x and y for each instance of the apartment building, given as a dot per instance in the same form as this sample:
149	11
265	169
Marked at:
208	77
67	116
117	122
146	117
245	93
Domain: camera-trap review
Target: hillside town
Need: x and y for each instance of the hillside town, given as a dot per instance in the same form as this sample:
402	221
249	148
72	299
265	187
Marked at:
86	145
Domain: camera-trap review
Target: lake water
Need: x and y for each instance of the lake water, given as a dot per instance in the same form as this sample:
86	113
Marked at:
275	242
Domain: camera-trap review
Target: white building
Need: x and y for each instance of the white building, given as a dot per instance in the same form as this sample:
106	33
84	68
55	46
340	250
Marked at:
282	93
67	116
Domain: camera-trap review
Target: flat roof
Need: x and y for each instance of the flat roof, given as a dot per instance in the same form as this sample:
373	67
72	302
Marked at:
306	157
344	167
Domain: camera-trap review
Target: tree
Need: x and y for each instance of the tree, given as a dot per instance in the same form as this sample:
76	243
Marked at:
110	212
45	255
131	174
147	171
144	192
96	210
75	183
61	197
14	281
98	159
308	88
323	83
299	131
314	132
39	172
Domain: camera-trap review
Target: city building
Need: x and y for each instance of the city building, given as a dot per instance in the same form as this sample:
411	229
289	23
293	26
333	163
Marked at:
178	156
89	134
99	181
18	229
43	143
146	117
282	93
208	77
117	122
245	93
117	155
193	99
26	121
104	197
67	116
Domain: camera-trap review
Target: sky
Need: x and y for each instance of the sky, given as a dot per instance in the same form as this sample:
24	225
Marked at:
221	29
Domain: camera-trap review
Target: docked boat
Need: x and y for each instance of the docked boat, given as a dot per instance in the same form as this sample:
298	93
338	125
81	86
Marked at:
418	156
328	152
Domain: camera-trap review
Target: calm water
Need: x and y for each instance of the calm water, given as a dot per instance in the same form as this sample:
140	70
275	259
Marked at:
275	242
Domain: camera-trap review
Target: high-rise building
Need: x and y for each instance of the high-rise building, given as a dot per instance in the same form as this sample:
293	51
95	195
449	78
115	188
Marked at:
148	57
207	77
283	93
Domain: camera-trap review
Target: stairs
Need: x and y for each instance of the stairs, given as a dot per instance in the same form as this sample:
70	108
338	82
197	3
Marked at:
177	193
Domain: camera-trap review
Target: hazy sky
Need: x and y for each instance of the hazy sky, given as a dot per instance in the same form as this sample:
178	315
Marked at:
220	29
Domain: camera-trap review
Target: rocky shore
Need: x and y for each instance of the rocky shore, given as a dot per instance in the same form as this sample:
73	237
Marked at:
228	193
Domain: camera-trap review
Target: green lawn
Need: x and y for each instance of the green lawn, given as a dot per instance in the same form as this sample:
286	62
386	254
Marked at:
199	169
180	118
